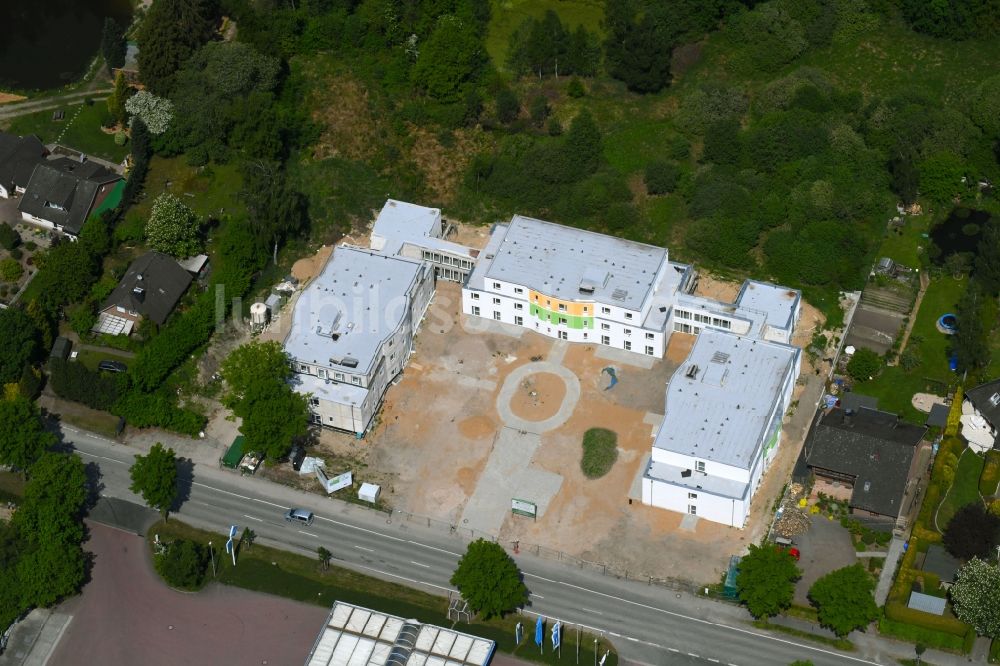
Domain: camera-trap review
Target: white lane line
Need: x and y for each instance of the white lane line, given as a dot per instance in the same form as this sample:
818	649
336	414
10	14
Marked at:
591	610
419	564
237	495
362	529
370	550
88	434
536	596
692	654
409	580
611	633
440	550
714	661
755	634
245	515
674	650
634	640
309	534
94	455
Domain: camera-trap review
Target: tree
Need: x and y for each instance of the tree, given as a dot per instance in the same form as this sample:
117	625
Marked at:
120	95
450	61
723	144
988	258
113	44
276	210
970	344
183	565
508	105
53	503
324	557
23	438
539	110
905	177
844	599
584	147
766	580
640	56
972	532
249	536
974	596
173	227
155	112
661	177
941	177
256	376
864	364
171	31
10	270
489	580
18	333
154	476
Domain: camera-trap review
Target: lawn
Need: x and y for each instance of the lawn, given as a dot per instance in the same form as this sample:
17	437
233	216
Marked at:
903	245
11	487
600	451
507	15
210	191
81	129
964	489
295	576
91	358
632	145
895	387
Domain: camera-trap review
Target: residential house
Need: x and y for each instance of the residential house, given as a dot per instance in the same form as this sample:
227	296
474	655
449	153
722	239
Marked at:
150	289
18	157
352	333
981	416
62	193
869	453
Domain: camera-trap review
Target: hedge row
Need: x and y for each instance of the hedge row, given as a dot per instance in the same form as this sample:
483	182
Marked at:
991	474
915	634
899	612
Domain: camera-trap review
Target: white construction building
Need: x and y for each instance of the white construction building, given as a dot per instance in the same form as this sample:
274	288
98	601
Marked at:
413	231
352	332
721	426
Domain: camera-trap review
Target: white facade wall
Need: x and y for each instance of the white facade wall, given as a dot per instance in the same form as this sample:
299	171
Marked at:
716	508
3	192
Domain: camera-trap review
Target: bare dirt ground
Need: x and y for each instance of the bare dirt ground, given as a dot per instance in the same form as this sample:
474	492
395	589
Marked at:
6	97
538	397
710	286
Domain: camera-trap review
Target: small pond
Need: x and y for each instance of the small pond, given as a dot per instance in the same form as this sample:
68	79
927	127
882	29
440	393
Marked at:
960	233
49	43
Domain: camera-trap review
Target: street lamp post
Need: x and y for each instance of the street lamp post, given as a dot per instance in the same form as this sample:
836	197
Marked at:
211	552
595	651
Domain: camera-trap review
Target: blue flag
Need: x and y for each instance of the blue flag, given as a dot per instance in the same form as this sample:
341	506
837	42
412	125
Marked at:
556	635
539	632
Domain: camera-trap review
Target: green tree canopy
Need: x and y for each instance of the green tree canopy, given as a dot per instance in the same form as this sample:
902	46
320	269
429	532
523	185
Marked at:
183	565
113	44
975	597
988	258
766	580
489	580
450	61
844	599
173	228
972	532
864	364
54	498
970	344
941	176
23	438
19	343
171	31
154	476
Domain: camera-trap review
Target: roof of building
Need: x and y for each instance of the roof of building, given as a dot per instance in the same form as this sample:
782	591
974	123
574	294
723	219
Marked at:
854	401
152	286
570	264
874	447
356	635
939	561
18	157
777	303
332	391
61	348
927	603
400	223
63	190
938	416
356	302
720	401
986	399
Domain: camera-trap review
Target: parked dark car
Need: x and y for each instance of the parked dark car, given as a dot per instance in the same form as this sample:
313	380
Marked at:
296	457
111	366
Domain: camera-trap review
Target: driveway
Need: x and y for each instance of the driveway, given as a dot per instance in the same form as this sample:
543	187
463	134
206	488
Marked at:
126	616
825	547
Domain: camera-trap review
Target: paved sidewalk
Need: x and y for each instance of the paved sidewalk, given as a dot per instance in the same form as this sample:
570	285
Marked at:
35	638
888	570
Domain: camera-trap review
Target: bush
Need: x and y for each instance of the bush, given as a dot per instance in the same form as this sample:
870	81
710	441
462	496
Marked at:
864	364
575	88
868	537
16	253
947	624
915	634
990	477
74	381
10	270
9	238
600	451
183	565
143	410
661	177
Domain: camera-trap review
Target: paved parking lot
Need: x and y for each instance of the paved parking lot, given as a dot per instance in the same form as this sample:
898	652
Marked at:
825	547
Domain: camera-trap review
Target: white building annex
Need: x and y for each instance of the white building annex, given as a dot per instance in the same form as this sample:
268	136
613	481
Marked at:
413	231
352	333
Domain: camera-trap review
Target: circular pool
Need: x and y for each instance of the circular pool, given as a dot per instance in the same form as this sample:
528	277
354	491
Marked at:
947	324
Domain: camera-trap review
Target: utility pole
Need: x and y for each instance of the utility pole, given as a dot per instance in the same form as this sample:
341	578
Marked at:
211	551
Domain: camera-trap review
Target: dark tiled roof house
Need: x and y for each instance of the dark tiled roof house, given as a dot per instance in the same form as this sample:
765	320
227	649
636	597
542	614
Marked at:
981	415
869	449
150	289
62	193
18	157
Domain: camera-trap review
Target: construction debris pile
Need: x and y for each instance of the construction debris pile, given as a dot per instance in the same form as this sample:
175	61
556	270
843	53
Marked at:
793	516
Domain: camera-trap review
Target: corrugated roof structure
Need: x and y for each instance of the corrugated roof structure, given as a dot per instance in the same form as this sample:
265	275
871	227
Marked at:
356	636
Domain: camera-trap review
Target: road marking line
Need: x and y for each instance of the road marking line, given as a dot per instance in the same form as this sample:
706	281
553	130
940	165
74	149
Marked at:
370	550
425	566
253	517
730	664
756	634
591	610
440	550
409	580
692	654
537	596
94	455
714	661
243	497
634	640
309	534
362	529
674	650
611	633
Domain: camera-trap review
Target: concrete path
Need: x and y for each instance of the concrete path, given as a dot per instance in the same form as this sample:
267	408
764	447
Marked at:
35	638
888	570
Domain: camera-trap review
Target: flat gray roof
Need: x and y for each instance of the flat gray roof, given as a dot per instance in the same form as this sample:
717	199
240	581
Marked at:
357	302
556	260
719	413
339	392
399	223
776	302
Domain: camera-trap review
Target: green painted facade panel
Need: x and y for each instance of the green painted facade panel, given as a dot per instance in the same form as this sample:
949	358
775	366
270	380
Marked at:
572	321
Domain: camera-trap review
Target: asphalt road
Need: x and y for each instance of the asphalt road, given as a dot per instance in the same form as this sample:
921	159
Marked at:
648	624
